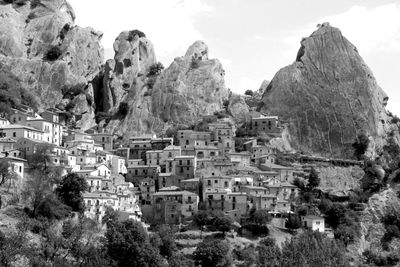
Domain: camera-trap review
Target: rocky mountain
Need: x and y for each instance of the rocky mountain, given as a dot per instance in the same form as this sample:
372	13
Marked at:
62	65
192	86
49	56
327	96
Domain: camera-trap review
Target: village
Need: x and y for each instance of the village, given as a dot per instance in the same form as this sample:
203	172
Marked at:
162	180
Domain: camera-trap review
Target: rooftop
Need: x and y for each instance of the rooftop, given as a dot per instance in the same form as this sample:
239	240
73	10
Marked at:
17	126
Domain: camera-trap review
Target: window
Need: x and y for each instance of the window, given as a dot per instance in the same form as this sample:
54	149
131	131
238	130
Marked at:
14	134
20	169
226	184
209	182
188	162
215	181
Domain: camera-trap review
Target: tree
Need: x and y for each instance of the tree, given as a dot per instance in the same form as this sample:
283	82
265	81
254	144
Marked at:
167	244
257	222
4	170
12	247
269	253
313	249
128	245
313	179
179	260
70	191
155	69
260	217
249	92
212	252
293	222
41	158
110	217
51	208
360	145
37	186
223	223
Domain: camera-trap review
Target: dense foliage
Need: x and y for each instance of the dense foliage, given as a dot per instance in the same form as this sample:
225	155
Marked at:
70	191
212	252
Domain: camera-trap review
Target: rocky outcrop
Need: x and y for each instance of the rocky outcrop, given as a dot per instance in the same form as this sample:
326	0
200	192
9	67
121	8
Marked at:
238	108
191	87
372	228
134	54
327	96
29	30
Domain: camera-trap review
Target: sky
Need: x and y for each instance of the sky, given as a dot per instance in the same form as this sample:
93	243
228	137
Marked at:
253	39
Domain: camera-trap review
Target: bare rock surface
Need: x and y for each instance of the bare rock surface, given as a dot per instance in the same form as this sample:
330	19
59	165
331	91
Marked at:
328	96
28	30
192	86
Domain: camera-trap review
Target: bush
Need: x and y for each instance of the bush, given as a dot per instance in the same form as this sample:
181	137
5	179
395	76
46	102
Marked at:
53	53
212	252
155	69
123	108
52	208
395	119
249	92
293	222
133	33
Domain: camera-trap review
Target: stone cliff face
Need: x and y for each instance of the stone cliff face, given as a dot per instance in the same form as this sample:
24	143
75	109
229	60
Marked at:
29	29
327	96
192	86
372	228
134	54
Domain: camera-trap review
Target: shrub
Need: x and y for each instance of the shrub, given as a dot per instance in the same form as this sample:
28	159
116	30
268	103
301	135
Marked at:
123	108
249	92
52	208
53	53
155	69
133	33
395	119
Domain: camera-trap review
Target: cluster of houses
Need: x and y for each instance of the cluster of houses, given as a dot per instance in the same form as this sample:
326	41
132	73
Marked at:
158	179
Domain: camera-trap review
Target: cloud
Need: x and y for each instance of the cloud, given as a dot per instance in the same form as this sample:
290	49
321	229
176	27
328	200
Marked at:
169	24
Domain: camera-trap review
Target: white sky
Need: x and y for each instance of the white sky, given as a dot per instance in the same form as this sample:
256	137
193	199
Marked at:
253	38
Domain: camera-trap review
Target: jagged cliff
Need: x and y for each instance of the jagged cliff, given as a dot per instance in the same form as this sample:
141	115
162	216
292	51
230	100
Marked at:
192	86
327	96
29	30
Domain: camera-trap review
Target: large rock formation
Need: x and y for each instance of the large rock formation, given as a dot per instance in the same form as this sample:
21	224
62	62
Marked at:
134	54
192	86
327	96
29	29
